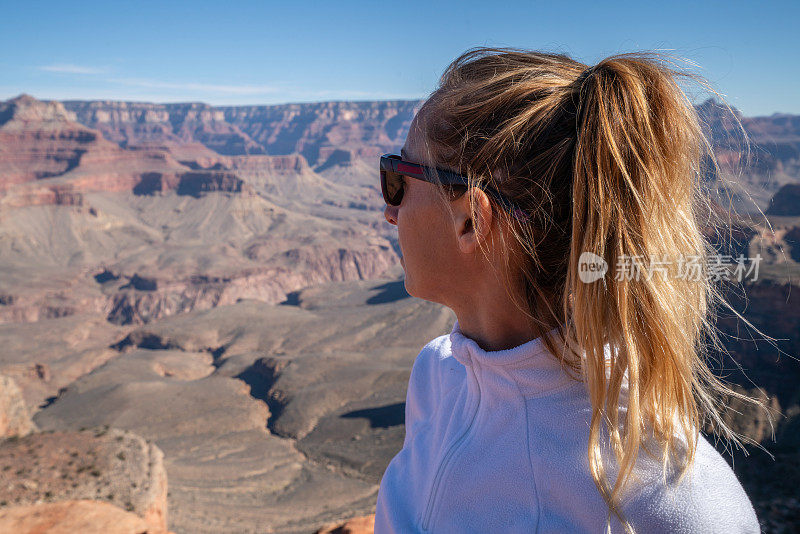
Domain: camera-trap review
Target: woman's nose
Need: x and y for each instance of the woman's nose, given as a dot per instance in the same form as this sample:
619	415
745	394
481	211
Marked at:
391	214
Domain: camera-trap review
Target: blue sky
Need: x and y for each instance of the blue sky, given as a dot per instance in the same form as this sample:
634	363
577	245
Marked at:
251	52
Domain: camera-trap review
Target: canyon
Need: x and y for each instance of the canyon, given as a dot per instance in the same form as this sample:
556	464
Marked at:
218	287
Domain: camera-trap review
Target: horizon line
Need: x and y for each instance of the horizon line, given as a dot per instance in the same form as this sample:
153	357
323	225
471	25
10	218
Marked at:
301	102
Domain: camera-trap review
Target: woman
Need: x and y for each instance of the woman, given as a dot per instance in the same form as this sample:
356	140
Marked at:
530	197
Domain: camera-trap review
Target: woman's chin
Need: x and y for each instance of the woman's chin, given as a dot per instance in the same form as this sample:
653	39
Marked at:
406	286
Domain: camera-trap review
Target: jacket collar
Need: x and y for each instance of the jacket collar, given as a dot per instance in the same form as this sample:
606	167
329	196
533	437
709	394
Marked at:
535	369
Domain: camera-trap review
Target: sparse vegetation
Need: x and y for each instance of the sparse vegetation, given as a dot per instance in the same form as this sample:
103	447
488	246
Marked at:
83	468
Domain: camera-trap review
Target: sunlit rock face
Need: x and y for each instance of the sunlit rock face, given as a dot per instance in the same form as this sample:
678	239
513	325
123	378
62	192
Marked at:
15	417
64	517
48	158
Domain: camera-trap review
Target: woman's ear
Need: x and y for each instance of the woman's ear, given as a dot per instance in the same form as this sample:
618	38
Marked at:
472	227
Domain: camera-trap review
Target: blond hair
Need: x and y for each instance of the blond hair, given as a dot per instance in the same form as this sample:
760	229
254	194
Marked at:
607	160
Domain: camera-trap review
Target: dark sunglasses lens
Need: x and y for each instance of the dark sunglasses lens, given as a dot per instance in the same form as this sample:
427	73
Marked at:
392	185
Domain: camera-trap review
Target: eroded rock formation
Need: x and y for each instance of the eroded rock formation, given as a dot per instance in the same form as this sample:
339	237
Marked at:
48	158
100	463
15	417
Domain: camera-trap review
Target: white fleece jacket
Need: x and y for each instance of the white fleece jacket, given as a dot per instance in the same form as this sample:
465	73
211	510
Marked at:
497	442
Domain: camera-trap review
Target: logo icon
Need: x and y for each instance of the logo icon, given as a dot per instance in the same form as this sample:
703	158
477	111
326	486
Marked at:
591	267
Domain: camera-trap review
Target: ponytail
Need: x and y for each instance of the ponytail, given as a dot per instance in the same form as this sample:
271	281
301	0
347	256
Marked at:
635	187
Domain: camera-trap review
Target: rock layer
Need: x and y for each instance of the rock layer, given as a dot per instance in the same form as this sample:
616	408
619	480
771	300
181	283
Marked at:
323	133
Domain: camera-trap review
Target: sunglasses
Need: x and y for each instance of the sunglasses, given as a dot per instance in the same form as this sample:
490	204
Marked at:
393	168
